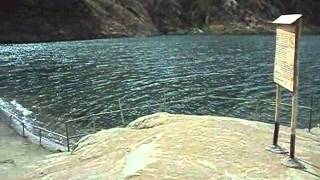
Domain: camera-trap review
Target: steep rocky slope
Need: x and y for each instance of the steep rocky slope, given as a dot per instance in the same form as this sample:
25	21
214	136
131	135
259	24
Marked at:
47	20
167	146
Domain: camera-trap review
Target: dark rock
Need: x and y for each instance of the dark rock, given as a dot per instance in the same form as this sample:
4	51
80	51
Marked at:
47	20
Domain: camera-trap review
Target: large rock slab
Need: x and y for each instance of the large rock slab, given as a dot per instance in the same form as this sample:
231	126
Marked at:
167	146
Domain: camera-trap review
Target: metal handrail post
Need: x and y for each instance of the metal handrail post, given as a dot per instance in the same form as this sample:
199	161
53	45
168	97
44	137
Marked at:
67	135
121	112
94	125
23	130
40	136
257	109
164	101
311	114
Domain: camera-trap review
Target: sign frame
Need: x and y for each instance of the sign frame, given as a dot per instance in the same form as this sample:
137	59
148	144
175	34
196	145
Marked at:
286	76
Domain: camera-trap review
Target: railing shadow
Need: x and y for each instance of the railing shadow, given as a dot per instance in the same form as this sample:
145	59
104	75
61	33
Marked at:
310	164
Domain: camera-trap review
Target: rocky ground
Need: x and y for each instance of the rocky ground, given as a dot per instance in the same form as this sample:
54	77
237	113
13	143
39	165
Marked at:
16	153
47	20
166	146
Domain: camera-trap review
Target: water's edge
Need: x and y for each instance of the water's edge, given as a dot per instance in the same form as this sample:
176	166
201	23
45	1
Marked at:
25	126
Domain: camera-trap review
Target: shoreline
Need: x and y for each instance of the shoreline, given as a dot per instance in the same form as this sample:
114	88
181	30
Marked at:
182	33
182	147
27	156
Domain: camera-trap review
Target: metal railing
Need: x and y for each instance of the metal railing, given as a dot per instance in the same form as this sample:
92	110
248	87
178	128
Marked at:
165	103
36	134
69	139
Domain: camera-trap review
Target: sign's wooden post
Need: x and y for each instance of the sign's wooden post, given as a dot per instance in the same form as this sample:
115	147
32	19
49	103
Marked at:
277	116
295	90
286	75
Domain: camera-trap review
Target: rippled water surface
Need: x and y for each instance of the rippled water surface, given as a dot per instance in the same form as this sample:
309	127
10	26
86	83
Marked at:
64	80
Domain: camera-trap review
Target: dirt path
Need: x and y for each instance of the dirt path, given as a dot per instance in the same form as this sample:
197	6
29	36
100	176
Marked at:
16	153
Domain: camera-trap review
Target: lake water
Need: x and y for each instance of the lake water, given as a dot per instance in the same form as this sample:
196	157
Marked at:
64	80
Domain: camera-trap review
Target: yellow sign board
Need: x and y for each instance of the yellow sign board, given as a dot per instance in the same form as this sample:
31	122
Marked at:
284	68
